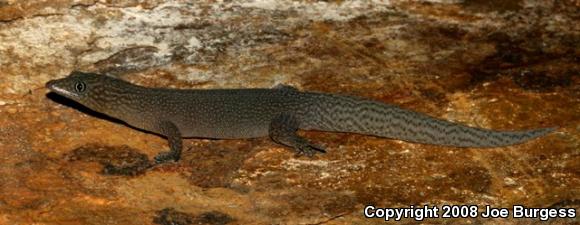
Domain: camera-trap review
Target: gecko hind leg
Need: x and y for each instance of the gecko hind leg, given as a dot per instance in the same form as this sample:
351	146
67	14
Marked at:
283	131
175	143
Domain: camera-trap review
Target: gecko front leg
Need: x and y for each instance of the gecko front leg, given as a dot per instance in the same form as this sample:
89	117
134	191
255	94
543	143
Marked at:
170	130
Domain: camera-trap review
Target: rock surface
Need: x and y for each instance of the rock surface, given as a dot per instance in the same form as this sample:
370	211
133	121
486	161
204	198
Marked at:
495	64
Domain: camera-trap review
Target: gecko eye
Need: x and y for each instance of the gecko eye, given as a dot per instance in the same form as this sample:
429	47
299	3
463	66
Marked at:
80	87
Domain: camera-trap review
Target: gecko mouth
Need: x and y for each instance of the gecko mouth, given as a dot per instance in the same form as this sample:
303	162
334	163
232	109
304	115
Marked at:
54	86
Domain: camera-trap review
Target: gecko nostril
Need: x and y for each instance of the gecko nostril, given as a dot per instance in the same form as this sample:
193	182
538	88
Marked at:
50	84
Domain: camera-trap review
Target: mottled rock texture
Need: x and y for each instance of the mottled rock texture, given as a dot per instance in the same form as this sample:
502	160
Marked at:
494	64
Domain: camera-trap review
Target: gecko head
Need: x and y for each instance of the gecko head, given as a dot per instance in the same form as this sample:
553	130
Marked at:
92	90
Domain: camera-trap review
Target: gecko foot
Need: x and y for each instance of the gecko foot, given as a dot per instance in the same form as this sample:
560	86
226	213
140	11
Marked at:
307	149
283	131
167	156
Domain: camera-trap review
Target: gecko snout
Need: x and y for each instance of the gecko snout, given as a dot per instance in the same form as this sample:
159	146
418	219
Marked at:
50	84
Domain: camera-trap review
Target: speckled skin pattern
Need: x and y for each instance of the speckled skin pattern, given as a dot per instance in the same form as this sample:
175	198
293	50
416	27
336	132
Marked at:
276	112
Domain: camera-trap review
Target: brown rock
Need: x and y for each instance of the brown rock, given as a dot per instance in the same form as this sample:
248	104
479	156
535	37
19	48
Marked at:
503	66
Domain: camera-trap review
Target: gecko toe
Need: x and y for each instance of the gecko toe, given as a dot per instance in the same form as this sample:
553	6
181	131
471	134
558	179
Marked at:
164	157
309	150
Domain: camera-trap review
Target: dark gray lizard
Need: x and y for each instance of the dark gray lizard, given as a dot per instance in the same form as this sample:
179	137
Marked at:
278	113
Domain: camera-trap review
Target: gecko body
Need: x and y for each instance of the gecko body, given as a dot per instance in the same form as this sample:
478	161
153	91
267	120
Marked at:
277	112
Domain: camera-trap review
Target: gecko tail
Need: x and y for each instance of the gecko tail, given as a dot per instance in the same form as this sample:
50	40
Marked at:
355	115
464	136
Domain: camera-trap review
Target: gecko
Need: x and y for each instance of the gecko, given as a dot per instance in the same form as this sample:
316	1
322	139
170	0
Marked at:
277	112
